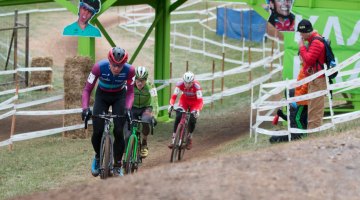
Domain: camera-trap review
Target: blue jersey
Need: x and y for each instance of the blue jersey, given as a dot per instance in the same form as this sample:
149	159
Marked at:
109	82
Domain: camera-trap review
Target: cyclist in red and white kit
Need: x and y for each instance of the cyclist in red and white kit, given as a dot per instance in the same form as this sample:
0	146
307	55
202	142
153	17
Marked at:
191	98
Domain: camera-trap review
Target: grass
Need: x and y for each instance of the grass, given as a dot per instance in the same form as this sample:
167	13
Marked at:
55	162
43	164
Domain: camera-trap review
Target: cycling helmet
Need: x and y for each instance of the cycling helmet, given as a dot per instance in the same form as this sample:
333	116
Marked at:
117	56
92	5
141	73
188	77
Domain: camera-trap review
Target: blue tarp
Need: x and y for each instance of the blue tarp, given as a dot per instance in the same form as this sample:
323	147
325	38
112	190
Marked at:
238	24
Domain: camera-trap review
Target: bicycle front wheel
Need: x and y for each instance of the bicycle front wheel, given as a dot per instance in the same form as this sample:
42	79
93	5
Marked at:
128	163
105	157
183	143
175	152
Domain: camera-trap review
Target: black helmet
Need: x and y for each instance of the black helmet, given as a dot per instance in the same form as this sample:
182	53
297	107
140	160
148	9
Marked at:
92	5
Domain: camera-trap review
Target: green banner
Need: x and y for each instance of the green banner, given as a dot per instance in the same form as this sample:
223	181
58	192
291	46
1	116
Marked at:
342	27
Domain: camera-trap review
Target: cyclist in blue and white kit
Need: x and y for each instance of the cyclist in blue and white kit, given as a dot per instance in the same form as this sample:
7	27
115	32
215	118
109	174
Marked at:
115	89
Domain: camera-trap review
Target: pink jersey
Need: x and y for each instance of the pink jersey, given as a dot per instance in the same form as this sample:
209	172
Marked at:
191	97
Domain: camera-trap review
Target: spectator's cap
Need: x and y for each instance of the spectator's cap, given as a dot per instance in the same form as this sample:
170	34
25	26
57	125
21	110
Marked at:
304	26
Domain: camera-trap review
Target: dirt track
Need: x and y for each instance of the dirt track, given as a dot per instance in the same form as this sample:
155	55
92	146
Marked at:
325	168
312	169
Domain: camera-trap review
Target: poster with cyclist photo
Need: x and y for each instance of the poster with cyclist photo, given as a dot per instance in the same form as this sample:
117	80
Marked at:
281	16
81	27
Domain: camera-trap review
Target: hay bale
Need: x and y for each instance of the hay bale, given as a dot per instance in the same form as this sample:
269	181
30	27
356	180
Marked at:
41	77
76	71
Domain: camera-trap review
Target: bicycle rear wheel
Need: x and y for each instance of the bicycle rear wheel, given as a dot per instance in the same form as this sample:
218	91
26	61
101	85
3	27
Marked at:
105	157
175	152
128	157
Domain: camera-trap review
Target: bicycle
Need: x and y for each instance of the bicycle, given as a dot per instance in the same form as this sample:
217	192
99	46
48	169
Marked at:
132	155
107	141
181	136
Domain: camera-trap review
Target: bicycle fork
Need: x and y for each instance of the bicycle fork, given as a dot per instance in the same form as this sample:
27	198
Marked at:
135	147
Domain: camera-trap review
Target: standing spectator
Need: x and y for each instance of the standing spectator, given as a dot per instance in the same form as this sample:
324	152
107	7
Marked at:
298	111
314	57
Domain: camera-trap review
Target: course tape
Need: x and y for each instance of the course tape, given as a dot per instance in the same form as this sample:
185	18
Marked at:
38	102
8	103
27	69
237	70
7	114
37	134
50	112
262	105
11	91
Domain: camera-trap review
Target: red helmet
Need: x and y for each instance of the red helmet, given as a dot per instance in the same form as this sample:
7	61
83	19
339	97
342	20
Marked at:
117	56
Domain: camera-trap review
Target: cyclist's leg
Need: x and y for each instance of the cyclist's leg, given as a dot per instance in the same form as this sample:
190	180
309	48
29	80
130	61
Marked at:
146	116
192	123
100	106
118	108
176	123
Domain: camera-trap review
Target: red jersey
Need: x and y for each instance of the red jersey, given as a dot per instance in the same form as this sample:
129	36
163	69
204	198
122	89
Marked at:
191	97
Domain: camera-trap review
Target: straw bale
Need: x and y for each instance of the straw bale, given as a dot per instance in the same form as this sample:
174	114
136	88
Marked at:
76	71
41	77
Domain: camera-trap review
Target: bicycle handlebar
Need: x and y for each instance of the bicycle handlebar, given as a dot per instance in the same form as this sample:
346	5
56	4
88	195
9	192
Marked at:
139	121
181	111
102	116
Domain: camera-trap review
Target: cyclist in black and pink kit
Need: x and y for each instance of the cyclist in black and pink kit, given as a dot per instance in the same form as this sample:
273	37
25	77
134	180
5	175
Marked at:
115	89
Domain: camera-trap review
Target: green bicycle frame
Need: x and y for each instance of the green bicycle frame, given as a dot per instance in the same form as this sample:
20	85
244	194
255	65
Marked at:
136	139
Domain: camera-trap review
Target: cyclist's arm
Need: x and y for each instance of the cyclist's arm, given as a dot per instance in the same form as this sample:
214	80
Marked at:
130	88
199	97
154	99
174	95
89	86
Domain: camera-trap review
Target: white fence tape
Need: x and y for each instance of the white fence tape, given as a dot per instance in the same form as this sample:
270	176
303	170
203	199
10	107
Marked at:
38	102
37	134
7	102
27	69
50	112
8	114
8	72
34	11
261	104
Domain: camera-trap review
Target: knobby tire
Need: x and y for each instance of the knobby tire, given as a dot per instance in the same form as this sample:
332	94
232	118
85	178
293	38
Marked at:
175	154
128	160
105	157
183	142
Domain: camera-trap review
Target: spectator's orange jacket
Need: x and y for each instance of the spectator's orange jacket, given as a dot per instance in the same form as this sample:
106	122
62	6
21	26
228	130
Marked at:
302	89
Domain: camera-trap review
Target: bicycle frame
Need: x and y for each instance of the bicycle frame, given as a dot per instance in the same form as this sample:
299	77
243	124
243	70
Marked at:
132	155
106	148
181	137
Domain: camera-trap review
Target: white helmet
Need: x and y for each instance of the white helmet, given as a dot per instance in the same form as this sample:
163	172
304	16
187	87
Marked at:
141	73
188	77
